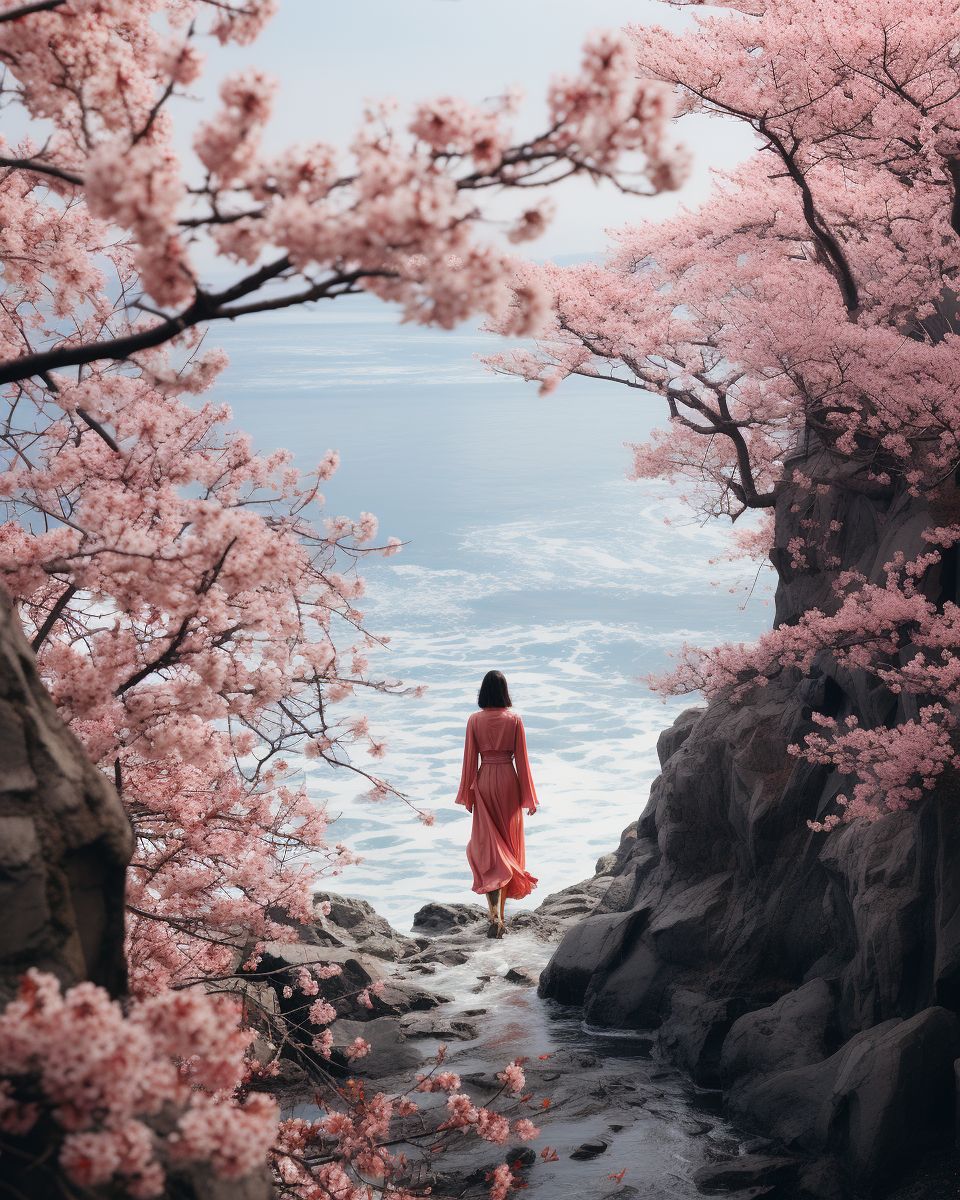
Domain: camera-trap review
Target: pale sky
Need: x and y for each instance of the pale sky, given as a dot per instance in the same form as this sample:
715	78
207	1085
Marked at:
329	57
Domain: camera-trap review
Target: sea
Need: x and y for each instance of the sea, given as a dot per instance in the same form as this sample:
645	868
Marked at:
527	548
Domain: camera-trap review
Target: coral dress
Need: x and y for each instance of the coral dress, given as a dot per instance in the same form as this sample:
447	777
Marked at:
495	794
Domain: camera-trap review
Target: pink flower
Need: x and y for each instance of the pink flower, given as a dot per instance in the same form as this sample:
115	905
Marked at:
322	1013
513	1078
525	1130
357	1048
501	1182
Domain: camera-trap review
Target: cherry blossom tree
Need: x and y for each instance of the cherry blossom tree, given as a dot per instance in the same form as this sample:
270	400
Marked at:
193	609
800	329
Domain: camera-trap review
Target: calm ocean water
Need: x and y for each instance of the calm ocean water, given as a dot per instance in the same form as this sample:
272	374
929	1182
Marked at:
529	550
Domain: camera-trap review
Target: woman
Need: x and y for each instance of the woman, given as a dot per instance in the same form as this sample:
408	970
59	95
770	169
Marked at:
495	795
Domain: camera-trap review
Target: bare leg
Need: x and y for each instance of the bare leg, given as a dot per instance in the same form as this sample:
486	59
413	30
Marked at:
493	902
503	906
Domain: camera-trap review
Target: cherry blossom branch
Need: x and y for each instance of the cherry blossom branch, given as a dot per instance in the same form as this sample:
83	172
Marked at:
26	10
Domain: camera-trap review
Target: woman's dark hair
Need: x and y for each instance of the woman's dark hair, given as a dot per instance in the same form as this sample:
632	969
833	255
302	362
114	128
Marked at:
494	692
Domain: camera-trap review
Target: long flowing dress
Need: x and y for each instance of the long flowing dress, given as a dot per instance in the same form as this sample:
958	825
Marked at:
495	793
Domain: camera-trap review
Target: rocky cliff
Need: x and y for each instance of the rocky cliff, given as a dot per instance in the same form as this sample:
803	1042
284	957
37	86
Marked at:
814	978
65	839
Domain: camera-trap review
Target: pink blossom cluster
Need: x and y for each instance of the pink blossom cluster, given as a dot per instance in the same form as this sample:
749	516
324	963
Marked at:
513	1078
357	1139
103	1076
399	219
892	767
501	1182
201	640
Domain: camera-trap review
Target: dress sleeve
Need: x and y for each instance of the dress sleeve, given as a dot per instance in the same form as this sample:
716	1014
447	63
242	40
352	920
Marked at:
468	776
528	794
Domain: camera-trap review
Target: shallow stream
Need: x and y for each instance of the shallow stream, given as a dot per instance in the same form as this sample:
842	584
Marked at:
605	1087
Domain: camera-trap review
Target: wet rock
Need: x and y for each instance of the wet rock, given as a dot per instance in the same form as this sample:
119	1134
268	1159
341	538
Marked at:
358	916
279	962
521	976
758	1145
823	1179
695	1031
398	998
446	956
893	1092
543	928
572	903
749	1171
390	1052
590	1149
428	1025
587	949
437	918
757	950
519	1157
356	922
379	1022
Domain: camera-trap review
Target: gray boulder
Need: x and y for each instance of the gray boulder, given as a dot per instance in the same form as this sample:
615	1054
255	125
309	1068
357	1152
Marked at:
886	1094
352	921
390	1053
586	950
572	903
429	1025
438	917
796	1031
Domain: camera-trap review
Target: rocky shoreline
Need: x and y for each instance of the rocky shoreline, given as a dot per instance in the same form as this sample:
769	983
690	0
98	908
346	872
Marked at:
623	1123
